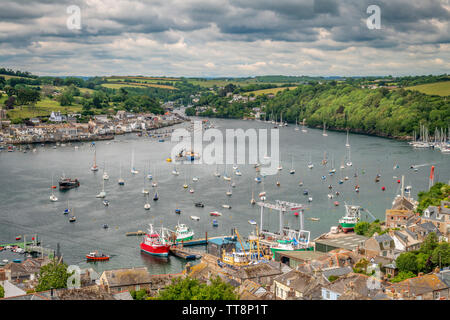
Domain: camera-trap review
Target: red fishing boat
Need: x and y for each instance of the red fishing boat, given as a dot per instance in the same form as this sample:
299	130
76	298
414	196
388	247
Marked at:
155	244
95	256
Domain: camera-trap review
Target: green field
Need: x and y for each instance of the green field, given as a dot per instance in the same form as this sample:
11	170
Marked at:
137	85
42	108
268	91
438	88
6	76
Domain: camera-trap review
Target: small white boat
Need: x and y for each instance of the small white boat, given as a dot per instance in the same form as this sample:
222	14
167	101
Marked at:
53	198
235	167
314	219
106	203
191	190
147	206
102	194
252	222
227	178
238	173
145	191
195	218
310	199
195	179
226	206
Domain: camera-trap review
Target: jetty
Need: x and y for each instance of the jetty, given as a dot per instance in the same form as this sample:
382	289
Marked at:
204	241
184	253
135	233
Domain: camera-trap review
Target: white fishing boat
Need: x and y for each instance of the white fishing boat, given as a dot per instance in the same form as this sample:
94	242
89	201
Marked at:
310	199
183	232
195	179
175	171
226	206
252	222
195	218
238	173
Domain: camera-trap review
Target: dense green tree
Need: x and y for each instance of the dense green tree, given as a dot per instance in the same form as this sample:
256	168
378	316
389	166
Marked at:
192	289
2	292
53	275
362	227
139	295
441	255
402	275
27	95
407	261
65	98
191	111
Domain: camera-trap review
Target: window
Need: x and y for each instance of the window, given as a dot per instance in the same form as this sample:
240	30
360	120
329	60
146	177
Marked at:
137	287
437	295
327	294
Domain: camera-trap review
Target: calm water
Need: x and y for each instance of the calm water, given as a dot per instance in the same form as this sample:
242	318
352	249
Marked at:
25	207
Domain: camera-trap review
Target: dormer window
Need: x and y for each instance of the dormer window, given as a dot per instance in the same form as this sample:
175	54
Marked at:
427	213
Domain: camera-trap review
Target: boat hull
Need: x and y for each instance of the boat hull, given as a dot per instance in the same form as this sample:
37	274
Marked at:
346	227
160	250
97	258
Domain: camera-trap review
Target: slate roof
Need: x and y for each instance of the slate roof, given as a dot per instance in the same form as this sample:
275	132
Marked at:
300	282
356	283
383	237
336	271
125	277
420	285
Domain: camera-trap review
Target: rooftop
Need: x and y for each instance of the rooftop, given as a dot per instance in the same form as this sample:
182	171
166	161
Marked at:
345	241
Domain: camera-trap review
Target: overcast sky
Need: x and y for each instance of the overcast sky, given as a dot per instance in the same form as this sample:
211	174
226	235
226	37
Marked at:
225	37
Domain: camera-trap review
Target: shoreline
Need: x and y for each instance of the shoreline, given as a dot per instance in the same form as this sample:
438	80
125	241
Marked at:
90	138
354	131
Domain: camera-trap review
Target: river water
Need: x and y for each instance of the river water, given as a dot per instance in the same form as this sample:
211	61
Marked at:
26	178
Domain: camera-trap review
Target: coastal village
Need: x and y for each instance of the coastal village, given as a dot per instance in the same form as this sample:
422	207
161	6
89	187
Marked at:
341	266
62	128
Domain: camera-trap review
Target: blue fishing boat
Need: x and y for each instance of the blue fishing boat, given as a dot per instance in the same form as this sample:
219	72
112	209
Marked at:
215	223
